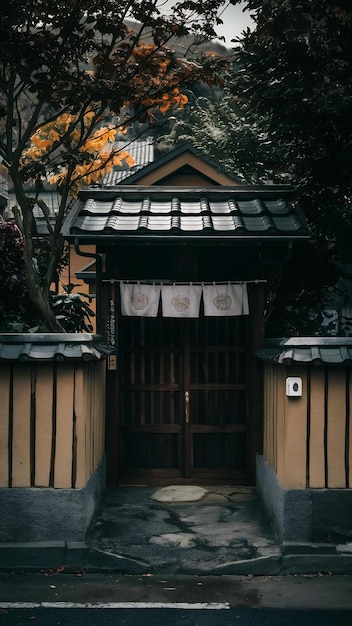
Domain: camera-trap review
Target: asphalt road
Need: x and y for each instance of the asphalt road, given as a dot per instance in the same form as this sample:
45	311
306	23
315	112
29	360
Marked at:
311	592
63	599
173	617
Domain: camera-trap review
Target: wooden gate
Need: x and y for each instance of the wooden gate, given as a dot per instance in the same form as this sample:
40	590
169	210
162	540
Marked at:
184	399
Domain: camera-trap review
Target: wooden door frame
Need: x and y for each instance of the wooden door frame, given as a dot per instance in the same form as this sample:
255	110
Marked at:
256	300
187	447
255	432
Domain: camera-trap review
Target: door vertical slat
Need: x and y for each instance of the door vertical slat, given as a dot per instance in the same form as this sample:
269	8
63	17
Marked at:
216	369
142	375
152	381
171	395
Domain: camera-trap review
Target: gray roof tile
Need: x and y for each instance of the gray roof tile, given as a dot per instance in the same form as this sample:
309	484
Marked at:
308	350
52	347
229	211
142	151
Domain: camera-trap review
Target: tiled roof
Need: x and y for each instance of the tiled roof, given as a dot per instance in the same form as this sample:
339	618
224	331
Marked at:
306	350
142	151
51	200
222	211
52	347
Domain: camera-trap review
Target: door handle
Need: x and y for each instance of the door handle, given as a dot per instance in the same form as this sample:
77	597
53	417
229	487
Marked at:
187	407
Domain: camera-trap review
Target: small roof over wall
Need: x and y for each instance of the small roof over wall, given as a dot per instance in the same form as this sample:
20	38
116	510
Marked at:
308	350
52	347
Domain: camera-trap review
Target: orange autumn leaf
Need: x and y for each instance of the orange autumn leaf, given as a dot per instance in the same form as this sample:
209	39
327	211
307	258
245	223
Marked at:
143	50
94	144
121	156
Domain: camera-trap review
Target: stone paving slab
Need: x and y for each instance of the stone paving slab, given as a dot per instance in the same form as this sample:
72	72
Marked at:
183	530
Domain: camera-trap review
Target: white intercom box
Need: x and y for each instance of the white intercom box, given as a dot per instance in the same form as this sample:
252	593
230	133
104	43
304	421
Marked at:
294	387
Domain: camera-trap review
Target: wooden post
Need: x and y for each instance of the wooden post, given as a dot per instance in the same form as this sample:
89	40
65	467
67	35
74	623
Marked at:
255	342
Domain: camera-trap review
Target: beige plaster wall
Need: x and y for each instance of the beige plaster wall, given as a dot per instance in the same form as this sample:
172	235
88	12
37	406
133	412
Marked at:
52	423
308	440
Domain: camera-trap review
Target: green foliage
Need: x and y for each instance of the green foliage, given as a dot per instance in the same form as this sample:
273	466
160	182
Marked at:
13	289
295	71
215	124
72	310
43	252
306	322
16	314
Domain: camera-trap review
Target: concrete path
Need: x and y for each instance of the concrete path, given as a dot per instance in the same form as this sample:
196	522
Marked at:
185	530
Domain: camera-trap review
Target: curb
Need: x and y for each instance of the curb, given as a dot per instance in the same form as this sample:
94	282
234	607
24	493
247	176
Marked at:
32	555
78	556
311	558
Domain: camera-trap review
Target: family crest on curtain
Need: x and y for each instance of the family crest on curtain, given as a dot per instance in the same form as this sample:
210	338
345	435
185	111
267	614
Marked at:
230	299
183	300
139	299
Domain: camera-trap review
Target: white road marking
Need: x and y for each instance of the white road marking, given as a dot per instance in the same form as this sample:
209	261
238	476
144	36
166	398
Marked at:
116	605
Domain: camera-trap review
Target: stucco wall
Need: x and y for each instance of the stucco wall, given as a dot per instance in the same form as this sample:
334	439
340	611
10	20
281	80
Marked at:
51	423
308	439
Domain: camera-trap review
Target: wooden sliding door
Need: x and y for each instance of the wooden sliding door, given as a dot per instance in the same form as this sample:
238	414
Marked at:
184	399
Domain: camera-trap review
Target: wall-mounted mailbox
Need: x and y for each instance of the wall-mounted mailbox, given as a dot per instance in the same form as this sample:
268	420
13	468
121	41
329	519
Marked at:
294	387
